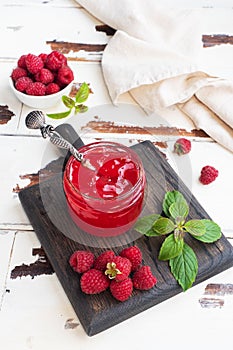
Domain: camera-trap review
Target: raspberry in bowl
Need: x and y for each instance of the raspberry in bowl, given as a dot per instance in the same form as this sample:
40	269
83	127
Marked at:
39	81
108	200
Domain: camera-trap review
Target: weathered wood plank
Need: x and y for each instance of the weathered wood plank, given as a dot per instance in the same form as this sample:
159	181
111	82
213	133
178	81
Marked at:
216	39
41	266
112	127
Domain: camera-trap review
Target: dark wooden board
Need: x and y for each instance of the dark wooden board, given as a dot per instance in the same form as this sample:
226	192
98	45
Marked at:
46	209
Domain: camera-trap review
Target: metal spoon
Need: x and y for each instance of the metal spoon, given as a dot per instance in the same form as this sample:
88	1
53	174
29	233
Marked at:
36	120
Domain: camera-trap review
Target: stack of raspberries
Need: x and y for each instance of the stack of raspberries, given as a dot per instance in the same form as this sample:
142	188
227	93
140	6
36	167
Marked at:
120	273
41	75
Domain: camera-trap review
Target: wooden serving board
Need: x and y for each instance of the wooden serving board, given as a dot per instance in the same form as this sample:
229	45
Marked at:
46	209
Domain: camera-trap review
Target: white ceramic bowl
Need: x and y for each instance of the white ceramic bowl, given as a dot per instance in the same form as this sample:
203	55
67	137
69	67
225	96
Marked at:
40	101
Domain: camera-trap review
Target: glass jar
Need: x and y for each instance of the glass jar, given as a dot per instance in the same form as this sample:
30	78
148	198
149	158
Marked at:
108	200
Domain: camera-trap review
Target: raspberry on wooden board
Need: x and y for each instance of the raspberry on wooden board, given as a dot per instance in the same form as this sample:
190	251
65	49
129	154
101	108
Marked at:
143	278
82	260
134	255
121	290
94	282
118	268
101	261
112	271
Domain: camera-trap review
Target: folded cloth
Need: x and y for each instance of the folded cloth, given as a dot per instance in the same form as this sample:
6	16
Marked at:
153	55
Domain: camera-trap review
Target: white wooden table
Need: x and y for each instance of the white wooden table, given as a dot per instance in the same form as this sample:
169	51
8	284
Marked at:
34	310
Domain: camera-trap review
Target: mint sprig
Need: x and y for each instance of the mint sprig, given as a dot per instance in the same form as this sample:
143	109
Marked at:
184	267
75	103
182	259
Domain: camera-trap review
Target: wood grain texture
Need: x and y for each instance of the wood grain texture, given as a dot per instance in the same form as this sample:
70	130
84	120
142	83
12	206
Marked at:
216	39
102	126
207	40
5	114
45	207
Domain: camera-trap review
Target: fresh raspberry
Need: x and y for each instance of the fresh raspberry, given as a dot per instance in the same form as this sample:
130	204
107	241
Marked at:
208	174
101	261
118	268
94	281
134	255
182	146
36	89
22	83
34	63
21	62
64	76
121	290
45	76
55	60
81	260
43	56
143	278
52	88
18	73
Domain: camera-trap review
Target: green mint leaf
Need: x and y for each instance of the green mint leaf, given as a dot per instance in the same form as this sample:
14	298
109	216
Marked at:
80	108
163	226
184	267
151	233
170	198
68	101
59	115
144	225
195	227
212	233
83	93
179	210
171	248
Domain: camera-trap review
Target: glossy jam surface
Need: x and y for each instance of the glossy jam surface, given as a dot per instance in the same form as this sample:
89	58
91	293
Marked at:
107	201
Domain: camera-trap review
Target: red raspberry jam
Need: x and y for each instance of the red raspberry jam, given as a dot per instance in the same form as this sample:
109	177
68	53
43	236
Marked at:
107	201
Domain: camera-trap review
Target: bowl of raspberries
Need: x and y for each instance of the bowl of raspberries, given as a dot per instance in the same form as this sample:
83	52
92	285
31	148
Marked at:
39	81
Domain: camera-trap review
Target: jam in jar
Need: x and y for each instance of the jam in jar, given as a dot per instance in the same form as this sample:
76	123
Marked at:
108	200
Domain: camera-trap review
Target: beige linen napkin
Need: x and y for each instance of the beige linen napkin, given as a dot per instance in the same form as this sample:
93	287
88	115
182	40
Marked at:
153	55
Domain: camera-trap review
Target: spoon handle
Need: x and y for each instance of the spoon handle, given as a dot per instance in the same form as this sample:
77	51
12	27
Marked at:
36	120
60	142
